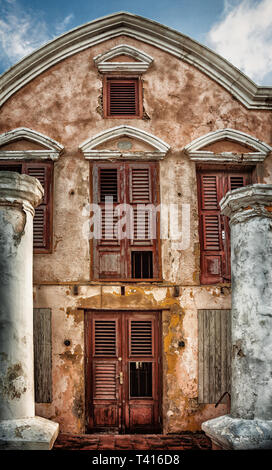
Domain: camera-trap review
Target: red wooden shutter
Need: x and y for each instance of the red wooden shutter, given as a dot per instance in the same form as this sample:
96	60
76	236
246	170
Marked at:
143	248
43	214
210	189
141	338
104	371
108	184
104	347
115	256
105	337
122	97
108	251
105	380
213	226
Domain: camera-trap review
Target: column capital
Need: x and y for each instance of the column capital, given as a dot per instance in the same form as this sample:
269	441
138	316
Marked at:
247	202
20	190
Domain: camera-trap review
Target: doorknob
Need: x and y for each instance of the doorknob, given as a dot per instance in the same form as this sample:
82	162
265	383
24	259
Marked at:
120	377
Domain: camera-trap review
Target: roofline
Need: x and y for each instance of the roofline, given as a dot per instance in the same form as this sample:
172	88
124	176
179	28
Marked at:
148	31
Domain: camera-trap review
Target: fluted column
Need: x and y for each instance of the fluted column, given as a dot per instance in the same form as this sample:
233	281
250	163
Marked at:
19	428
250	423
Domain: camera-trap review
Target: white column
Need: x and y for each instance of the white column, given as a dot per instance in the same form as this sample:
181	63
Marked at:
249	425
19	428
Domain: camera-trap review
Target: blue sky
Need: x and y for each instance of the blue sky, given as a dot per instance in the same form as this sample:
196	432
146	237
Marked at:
239	30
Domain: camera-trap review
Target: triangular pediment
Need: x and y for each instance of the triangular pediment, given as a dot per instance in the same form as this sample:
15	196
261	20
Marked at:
227	145
124	142
23	143
123	58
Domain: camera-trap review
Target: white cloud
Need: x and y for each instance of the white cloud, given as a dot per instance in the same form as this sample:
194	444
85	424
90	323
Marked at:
244	37
62	25
22	31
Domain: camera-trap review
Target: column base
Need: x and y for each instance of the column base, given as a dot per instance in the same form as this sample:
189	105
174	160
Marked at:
229	433
28	434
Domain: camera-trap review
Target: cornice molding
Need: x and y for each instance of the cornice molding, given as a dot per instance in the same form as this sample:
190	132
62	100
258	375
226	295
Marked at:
88	147
144	60
52	152
194	152
250	201
150	32
24	190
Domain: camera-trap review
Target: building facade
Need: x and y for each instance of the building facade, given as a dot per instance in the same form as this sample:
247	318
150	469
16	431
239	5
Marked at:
136	132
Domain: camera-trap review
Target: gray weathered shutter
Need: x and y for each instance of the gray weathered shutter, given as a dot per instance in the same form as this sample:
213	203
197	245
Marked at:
214	354
42	355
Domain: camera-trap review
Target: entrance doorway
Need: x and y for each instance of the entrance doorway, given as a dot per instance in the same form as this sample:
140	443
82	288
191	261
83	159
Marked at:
123	371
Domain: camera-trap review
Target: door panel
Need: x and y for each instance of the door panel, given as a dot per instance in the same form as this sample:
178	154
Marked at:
123	371
103	349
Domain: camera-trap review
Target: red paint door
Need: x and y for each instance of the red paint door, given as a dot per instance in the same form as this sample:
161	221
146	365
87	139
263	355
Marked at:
123	365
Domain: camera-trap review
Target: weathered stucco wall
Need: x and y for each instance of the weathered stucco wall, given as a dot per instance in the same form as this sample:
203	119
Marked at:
181	103
181	410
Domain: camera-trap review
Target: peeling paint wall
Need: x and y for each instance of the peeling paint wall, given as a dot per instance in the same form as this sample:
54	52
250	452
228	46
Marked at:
182	104
180	406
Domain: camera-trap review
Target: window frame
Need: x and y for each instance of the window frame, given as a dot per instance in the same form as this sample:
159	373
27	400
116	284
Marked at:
139	96
223	172
129	247
24	164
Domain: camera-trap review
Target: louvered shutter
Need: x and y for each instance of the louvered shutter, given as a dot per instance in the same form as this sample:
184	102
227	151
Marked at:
214	230
143	248
128	233
103	369
210	189
43	213
108	251
105	346
141	338
104	338
122	97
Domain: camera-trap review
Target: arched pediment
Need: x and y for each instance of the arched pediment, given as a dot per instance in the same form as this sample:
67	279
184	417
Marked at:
92	148
254	150
49	148
140	63
142	29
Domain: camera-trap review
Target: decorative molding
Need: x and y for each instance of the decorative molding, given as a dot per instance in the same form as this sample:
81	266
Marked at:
20	190
90	152
142	29
193	150
144	60
52	152
250	201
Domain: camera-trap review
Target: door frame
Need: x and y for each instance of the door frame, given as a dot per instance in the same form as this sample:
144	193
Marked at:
87	383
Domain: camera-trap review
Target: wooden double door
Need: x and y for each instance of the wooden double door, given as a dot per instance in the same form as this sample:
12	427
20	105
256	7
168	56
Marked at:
123	372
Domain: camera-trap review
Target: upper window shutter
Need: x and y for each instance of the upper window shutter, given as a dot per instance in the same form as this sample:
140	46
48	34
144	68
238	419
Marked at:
213	226
210	190
135	185
142	182
122	97
42	218
108	250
